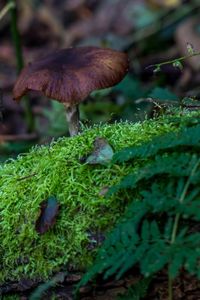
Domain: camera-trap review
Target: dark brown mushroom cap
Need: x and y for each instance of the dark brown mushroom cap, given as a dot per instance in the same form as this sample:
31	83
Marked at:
70	75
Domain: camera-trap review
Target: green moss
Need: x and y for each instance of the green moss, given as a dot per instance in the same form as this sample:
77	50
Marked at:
57	170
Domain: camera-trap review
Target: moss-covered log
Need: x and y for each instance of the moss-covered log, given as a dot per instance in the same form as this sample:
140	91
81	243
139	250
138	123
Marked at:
57	170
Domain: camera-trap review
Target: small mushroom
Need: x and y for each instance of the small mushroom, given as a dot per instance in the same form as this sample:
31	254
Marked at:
70	75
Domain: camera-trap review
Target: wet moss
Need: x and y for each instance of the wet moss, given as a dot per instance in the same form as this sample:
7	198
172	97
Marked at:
56	170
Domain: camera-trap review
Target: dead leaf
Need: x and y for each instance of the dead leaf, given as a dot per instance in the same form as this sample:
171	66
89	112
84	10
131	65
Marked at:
101	154
48	212
103	191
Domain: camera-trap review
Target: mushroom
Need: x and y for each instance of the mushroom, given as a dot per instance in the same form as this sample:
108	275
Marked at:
70	75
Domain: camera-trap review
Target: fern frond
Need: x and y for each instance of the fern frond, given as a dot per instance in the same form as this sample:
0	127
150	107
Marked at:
187	137
174	165
142	238
154	231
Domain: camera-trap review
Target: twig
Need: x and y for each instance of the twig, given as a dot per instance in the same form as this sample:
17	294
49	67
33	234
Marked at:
6	9
18	137
173	61
26	177
176	221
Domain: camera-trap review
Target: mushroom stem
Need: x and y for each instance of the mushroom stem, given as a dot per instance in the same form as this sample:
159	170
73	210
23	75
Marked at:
72	115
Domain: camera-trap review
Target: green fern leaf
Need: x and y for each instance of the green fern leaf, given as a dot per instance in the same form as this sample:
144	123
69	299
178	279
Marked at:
176	165
186	137
157	229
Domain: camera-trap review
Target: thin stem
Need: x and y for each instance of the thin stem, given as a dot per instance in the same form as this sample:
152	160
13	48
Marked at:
170	288
6	9
176	223
16	36
72	116
20	63
175	228
181	199
157	66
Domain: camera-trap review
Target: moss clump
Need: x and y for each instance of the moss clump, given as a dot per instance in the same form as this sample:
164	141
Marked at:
57	170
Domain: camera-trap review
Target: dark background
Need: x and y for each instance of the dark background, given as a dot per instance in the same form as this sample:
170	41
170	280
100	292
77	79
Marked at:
150	31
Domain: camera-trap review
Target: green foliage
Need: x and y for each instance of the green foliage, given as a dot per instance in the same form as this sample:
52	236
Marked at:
57	124
163	94
124	107
187	137
9	149
158	227
137	291
57	170
130	87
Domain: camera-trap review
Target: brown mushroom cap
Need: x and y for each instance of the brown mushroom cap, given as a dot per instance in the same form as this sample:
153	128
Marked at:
70	75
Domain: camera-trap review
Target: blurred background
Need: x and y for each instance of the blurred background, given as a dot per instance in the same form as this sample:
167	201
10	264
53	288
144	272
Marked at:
150	31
